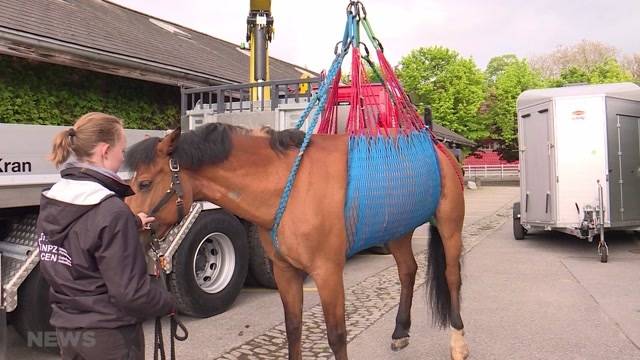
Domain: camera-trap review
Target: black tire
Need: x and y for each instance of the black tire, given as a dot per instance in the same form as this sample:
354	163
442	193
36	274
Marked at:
604	257
260	266
250	280
31	316
221	241
518	230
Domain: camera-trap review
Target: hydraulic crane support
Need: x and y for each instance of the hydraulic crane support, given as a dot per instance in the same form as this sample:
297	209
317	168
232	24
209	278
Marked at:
259	34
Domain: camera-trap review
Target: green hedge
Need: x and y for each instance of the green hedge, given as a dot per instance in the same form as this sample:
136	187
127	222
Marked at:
47	94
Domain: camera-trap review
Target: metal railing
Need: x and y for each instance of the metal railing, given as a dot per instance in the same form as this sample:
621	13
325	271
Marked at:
502	172
239	97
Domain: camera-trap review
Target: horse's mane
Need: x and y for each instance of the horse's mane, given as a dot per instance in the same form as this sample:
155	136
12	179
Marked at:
283	140
209	145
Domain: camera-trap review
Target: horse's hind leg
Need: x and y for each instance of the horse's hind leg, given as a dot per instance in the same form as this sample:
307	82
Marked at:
452	241
407	268
446	237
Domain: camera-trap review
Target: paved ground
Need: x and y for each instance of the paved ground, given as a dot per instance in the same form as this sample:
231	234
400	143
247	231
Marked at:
546	297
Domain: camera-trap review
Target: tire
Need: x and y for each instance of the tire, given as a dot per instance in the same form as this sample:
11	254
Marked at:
518	230
260	266
604	257
216	241
31	316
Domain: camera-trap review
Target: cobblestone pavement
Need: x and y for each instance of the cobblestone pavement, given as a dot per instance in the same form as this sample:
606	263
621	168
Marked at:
366	302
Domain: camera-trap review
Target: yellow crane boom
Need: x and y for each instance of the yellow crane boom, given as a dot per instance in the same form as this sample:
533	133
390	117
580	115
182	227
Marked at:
259	34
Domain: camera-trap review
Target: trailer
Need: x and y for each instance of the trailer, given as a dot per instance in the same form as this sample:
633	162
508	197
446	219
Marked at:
579	161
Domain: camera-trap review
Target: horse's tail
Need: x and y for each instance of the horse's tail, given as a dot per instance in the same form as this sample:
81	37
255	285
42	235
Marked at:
438	293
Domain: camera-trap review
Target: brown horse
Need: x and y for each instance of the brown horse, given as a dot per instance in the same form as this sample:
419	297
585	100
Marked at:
245	173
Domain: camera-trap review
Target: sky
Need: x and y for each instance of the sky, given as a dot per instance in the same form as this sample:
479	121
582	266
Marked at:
306	31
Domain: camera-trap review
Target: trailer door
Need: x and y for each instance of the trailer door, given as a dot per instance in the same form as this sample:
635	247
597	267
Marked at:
624	160
538	200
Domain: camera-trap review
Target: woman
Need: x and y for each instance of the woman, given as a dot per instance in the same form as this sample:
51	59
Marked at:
89	248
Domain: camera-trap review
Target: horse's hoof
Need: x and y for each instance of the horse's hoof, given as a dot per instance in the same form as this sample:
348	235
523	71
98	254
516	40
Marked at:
399	344
460	353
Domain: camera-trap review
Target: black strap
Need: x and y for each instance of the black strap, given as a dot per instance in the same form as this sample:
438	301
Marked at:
175	323
175	188
158	342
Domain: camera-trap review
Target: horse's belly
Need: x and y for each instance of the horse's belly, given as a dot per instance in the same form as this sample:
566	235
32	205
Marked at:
392	188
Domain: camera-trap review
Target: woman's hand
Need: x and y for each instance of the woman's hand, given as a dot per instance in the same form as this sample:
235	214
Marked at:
146	220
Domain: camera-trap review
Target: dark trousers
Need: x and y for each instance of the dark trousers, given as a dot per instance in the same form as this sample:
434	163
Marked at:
124	343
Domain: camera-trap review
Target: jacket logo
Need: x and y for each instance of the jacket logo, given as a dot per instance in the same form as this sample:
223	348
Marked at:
52	253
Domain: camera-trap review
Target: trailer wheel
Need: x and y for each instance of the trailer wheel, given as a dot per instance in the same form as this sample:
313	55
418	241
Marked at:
210	266
260	266
518	230
604	257
31	316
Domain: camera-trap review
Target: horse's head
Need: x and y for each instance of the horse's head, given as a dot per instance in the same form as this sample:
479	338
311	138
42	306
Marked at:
161	188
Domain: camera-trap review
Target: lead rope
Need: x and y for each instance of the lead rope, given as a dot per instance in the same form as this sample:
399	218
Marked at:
174	323
158	343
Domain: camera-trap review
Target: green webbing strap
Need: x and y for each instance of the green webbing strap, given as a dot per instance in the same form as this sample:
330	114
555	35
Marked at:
374	40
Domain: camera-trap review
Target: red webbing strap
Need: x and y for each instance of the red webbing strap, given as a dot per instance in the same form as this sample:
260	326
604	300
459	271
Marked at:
355	119
407	116
329	120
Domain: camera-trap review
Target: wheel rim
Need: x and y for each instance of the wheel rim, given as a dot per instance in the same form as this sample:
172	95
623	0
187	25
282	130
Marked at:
214	263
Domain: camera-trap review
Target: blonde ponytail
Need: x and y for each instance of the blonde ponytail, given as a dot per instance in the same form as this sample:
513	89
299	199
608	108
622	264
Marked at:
87	132
61	148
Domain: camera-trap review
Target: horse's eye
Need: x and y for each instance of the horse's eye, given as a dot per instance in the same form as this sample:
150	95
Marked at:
144	185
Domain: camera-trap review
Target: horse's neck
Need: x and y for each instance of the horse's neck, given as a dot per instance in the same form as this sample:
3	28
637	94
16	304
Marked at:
249	183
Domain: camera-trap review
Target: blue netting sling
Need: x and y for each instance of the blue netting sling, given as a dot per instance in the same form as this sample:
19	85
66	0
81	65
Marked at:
393	183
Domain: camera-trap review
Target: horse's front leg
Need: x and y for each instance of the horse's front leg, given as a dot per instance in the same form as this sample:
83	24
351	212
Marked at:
331	289
407	268
289	281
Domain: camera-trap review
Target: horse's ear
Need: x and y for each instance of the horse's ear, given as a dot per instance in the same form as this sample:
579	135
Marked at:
168	144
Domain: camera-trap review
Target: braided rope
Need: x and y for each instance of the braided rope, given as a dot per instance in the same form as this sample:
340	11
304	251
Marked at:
321	98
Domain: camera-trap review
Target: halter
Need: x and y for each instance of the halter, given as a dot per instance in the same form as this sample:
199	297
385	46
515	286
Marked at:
158	344
174	188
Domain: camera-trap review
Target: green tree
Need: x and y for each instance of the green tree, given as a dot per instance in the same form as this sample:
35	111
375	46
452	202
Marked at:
499	110
374	75
609	71
497	66
584	55
631	63
590	62
453	86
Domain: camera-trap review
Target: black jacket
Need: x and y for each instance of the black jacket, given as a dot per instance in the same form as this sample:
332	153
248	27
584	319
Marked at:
91	256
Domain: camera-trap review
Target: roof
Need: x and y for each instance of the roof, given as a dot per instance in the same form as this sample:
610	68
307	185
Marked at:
625	90
96	30
445	134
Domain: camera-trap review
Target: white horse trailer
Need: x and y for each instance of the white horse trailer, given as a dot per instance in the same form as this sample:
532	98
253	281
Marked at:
579	161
